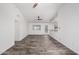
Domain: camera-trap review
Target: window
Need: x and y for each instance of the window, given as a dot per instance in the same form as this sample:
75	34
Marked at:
36	27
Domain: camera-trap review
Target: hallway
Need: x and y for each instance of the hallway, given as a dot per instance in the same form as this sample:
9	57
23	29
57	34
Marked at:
38	45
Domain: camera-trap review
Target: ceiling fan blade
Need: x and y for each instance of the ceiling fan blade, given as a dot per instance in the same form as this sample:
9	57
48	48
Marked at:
35	5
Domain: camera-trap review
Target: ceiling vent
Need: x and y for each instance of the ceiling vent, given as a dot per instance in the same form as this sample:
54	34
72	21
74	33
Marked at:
35	5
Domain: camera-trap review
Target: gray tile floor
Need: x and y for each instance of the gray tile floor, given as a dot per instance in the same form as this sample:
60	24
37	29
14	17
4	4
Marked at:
38	45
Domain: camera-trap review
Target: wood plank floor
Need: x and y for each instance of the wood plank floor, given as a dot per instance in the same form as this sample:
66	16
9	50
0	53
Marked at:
38	45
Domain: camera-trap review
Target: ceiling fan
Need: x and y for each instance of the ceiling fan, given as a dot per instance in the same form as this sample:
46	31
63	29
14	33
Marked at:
35	4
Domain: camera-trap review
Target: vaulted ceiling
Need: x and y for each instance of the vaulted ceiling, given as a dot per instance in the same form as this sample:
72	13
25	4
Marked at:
46	11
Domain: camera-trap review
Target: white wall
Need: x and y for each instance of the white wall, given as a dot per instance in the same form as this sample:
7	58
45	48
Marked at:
68	20
8	14
20	26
